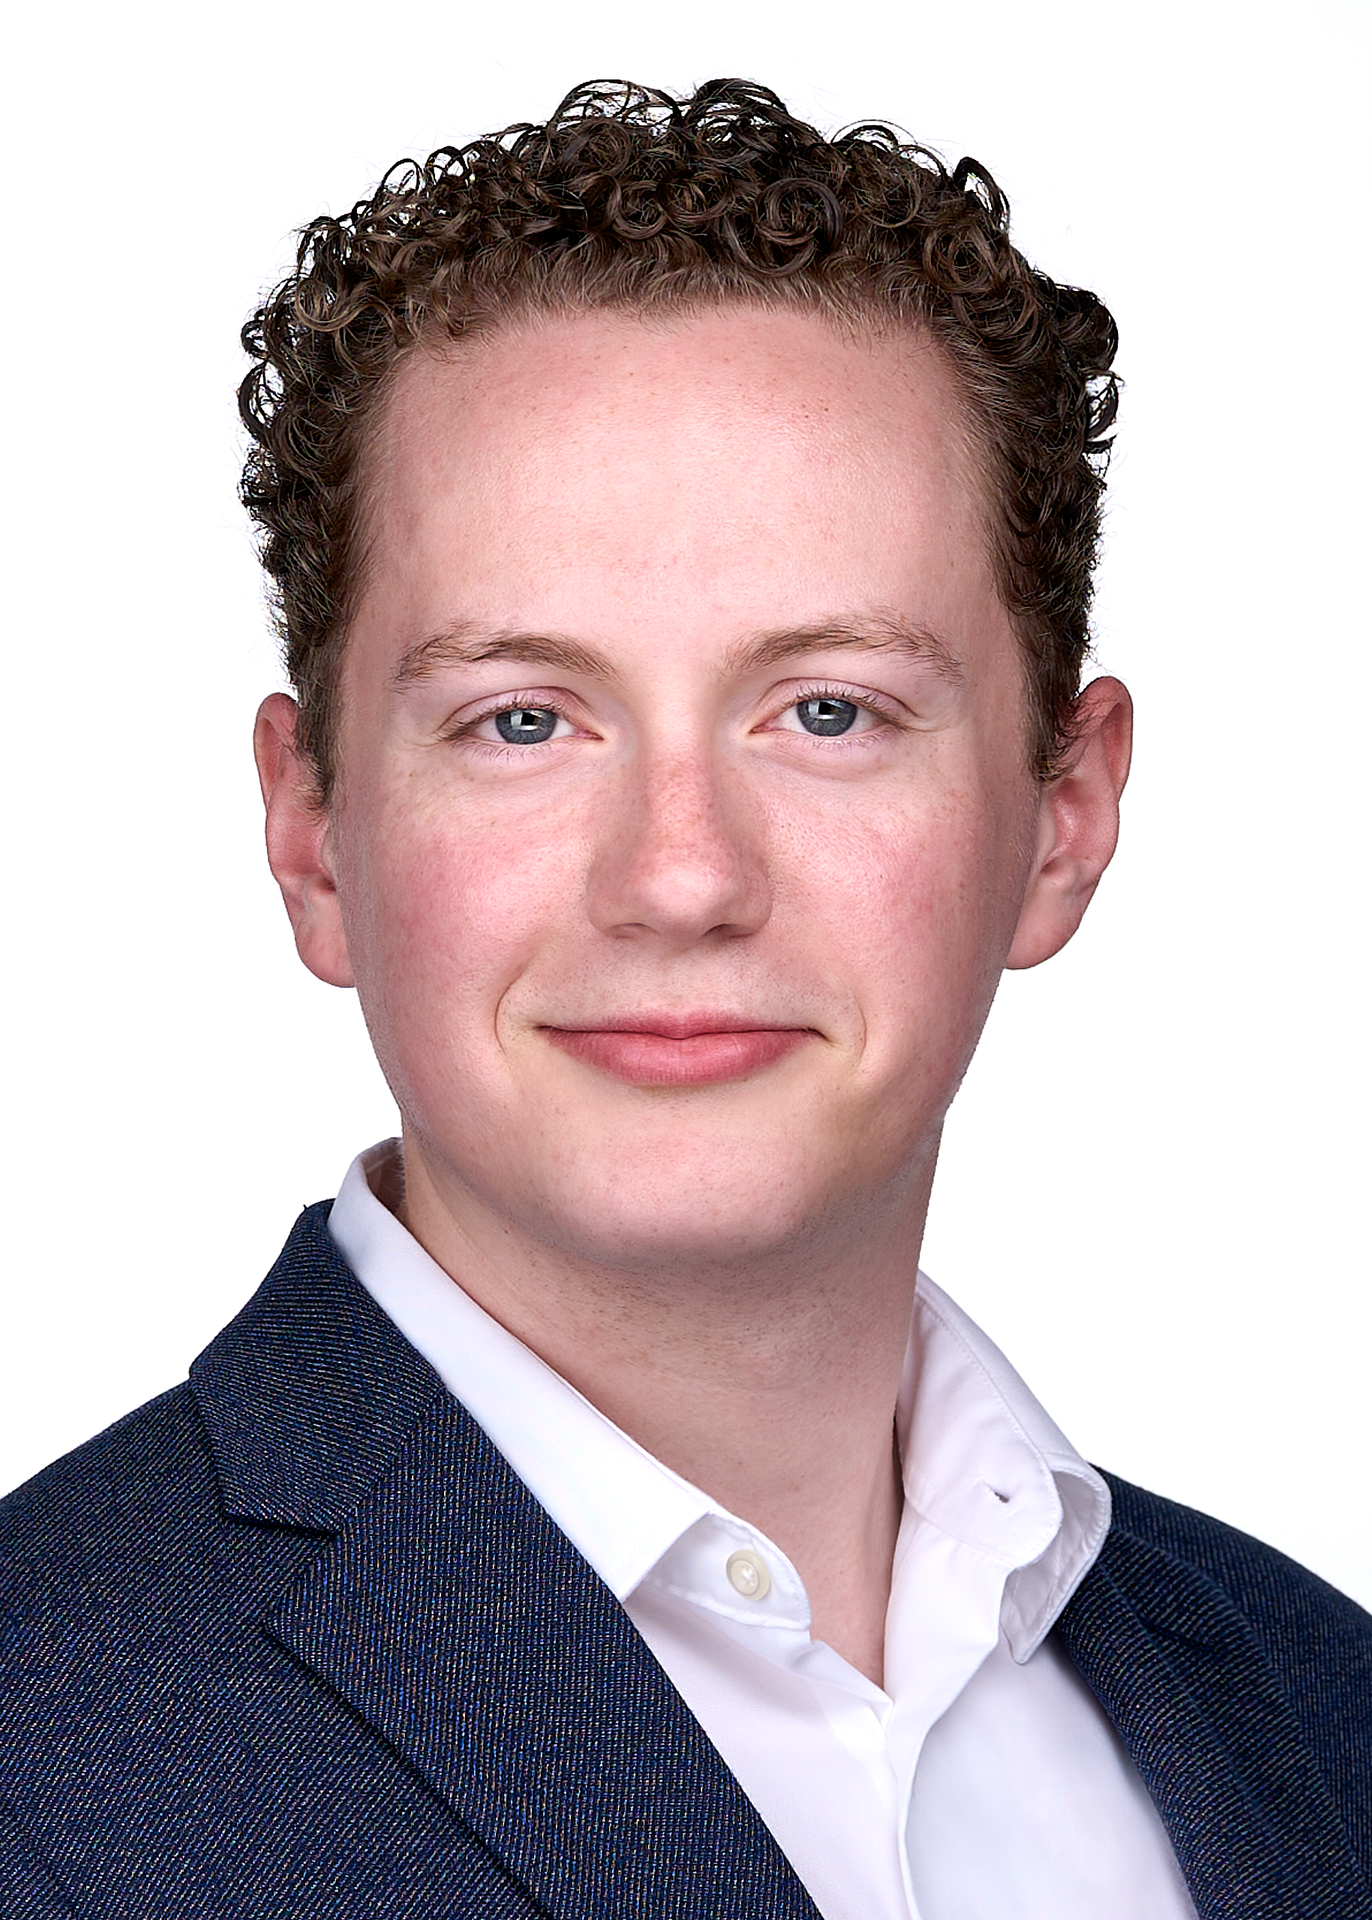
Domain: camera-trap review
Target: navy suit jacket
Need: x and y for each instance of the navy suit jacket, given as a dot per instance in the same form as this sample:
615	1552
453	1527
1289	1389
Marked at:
294	1640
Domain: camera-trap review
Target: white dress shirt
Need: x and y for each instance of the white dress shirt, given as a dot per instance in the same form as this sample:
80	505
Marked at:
983	1782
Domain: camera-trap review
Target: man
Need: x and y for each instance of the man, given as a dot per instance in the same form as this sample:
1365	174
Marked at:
683	530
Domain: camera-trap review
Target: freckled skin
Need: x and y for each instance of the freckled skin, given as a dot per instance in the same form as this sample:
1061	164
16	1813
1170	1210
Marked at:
650	500
866	892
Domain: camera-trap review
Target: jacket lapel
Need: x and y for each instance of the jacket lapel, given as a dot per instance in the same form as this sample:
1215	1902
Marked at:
455	1617
1179	1672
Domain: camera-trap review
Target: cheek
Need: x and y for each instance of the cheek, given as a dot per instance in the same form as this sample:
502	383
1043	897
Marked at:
442	913
929	906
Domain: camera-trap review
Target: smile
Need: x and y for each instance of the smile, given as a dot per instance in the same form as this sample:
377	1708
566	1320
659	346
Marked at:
678	1051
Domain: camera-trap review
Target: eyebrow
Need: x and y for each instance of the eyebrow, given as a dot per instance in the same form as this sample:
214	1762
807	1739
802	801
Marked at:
882	634
466	645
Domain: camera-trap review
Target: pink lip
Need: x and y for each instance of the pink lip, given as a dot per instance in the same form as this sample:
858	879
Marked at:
673	1050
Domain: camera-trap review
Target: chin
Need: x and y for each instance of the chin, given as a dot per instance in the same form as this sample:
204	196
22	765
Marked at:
698	1211
635	1243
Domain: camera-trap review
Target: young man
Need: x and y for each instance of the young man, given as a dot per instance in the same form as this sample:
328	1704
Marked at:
683	530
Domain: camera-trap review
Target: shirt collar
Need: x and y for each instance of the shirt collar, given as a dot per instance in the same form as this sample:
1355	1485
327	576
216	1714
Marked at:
620	1508
982	1460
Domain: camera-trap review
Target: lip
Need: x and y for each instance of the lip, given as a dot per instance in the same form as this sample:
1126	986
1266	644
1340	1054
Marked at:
678	1050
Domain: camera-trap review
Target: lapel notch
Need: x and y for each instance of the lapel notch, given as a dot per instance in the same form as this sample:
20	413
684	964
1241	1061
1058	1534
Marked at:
452	1614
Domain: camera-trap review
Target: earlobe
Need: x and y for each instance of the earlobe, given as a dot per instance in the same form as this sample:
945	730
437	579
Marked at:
1078	825
298	849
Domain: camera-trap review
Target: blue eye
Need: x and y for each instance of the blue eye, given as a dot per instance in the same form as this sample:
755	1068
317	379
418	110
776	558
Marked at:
825	715
526	726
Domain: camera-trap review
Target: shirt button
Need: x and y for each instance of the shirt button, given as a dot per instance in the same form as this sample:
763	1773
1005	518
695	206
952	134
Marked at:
748	1575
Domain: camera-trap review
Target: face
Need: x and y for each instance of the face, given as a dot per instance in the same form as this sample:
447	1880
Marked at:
684	821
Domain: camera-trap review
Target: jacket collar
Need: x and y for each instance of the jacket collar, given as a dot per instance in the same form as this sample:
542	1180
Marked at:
457	1620
309	1393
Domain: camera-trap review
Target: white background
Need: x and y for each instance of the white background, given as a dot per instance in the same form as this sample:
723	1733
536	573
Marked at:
1154	1188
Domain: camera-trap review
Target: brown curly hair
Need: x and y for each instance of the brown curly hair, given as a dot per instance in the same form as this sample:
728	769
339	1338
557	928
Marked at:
631	199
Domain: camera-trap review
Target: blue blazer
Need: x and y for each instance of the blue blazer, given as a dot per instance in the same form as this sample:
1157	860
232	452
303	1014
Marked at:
293	1640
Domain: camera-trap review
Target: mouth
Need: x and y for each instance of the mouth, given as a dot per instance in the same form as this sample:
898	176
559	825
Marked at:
678	1050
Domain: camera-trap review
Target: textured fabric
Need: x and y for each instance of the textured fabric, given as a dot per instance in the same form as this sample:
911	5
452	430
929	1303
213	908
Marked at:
969	1428
1242	1686
1002	1520
256	1647
256	1650
26	1891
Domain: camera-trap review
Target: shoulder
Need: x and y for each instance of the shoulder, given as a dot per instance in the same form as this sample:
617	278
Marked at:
1207	1593
117	1562
107	1564
288	1416
104	1505
124	1573
1303	1622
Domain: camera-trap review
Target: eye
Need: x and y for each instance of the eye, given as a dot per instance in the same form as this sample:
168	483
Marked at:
526	726
824	713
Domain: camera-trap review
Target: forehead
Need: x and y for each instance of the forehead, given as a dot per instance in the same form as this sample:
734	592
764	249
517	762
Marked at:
657	358
603	469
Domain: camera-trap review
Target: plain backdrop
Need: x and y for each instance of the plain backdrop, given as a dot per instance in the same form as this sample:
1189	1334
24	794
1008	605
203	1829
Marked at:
1154	1189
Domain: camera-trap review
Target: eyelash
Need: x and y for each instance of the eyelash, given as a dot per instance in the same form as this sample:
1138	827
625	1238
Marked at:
548	703
829	690
507	703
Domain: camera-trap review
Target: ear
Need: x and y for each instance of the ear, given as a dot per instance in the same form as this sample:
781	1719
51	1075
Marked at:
298	842
1078	824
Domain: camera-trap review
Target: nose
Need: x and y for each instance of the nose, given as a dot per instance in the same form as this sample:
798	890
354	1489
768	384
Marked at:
679	856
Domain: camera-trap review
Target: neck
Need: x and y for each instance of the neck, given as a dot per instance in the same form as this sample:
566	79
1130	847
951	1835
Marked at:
770	1383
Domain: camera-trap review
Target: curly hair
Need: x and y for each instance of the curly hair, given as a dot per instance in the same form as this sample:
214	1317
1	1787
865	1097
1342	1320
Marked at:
631	199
